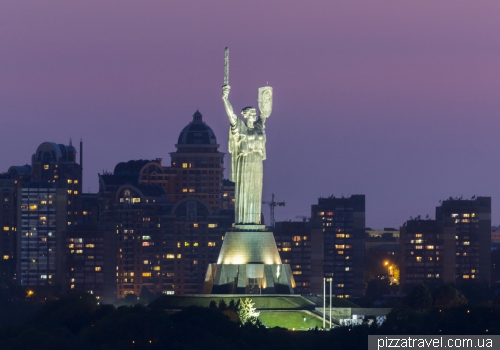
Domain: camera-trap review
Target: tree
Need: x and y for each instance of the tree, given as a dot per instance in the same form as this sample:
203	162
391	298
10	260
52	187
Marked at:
447	296
222	305
419	298
247	312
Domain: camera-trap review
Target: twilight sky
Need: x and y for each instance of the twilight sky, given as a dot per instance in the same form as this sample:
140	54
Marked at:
397	100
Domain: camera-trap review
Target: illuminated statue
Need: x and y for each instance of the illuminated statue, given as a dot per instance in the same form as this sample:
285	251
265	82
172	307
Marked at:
247	145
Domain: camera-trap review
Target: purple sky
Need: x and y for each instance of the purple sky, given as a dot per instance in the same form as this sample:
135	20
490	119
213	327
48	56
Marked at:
397	100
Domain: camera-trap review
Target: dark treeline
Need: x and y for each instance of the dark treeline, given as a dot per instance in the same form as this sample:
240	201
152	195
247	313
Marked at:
79	322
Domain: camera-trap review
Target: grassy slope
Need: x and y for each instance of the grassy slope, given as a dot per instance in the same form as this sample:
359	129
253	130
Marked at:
290	319
261	302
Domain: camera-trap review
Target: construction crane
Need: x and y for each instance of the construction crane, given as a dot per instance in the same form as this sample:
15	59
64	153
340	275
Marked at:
273	204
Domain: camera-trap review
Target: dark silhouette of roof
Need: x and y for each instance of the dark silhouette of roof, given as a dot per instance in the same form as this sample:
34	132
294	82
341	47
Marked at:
132	167
197	133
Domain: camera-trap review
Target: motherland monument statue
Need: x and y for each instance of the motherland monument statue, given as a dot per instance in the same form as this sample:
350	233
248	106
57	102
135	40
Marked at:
249	261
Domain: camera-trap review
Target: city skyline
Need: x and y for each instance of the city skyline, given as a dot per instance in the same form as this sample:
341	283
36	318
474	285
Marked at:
396	102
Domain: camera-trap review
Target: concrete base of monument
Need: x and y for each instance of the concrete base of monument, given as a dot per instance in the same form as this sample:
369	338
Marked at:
249	279
249	263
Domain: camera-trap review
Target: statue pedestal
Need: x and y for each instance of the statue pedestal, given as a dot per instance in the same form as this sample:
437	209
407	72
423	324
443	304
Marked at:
249	263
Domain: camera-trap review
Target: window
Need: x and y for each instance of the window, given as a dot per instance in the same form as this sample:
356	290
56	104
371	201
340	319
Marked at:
156	268
212	225
170	256
146	274
98	268
211	244
287	249
186	244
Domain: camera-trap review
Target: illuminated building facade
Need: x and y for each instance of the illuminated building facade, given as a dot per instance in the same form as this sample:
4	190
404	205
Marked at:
427	253
168	221
10	182
472	219
46	206
300	244
343	225
89	262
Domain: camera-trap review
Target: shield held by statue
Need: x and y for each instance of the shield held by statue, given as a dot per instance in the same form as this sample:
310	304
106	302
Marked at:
265	100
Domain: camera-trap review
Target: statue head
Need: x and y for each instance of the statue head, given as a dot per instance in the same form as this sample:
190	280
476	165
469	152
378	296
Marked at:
250	115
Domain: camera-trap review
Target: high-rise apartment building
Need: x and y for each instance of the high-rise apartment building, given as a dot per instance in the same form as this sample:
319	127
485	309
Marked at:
427	253
472	220
47	205
343	221
330	245
168	219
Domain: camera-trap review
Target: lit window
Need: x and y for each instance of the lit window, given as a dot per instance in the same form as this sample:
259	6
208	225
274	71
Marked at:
419	258
339	246
70	181
146	244
170	256
195	244
184	165
156	268
90	257
6	228
211	244
5	257
466	243
297	272
296	238
212	225
146	238
287	249
89	245
347	268
195	262
98	268
75	181
191	190
186	244
79	251
146	274
195	225
46	167
454	215
33	207
178	244
429	247
465	276
145	262
179	256
466	215
69	191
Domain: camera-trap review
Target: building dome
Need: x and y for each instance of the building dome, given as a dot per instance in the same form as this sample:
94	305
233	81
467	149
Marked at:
197	133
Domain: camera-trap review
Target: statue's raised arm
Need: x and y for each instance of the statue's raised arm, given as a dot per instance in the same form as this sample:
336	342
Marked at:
227	105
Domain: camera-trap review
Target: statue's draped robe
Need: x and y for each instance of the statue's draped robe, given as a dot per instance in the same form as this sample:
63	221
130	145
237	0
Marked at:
248	150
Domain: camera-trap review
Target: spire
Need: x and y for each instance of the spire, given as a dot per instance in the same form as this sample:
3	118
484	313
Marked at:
70	142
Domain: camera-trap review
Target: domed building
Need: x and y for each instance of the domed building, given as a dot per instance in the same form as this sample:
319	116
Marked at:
198	164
